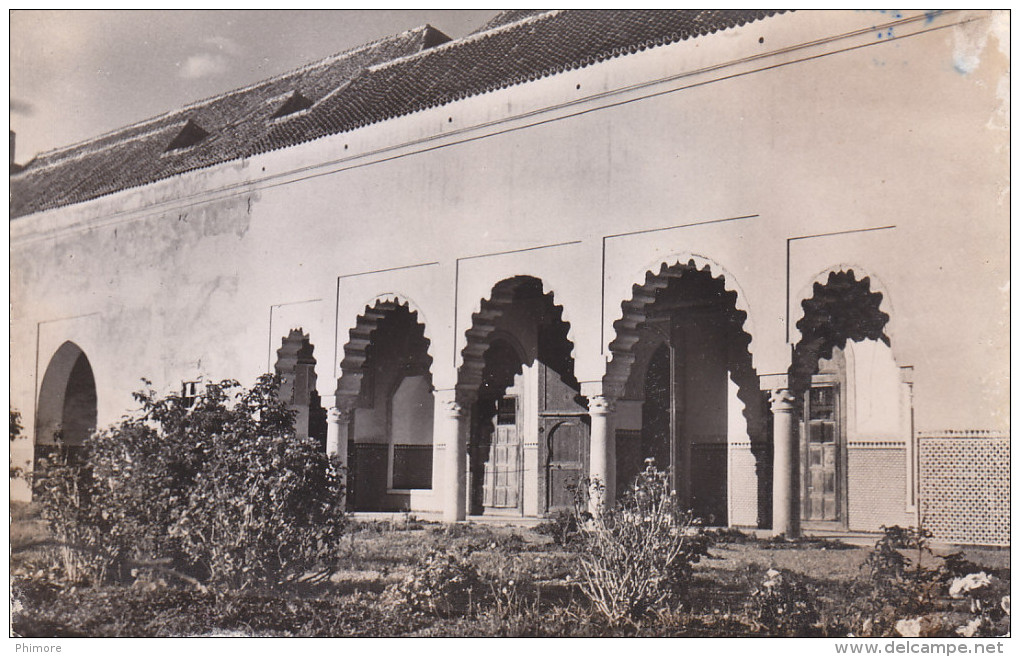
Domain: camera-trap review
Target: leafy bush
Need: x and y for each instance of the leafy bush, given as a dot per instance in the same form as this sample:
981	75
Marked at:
636	558
218	486
441	583
266	506
782	605
79	529
15	430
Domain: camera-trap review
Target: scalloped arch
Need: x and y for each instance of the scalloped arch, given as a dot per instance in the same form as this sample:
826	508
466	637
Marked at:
483	324
404	300
843	307
624	332
807	291
360	337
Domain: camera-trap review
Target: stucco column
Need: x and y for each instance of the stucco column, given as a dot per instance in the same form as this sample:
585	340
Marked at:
450	428
337	424
785	503
602	457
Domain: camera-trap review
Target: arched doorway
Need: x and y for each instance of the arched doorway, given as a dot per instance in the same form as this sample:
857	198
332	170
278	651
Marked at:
845	383
66	413
686	386
295	365
386	387
496	453
528	443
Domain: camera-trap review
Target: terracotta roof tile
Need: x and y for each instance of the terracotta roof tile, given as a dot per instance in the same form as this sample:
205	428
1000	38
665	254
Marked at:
392	77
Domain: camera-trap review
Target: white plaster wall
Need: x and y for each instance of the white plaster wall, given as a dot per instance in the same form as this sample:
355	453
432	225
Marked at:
875	407
411	416
182	276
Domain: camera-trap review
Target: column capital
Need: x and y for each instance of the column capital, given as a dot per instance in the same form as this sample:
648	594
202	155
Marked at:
781	401
335	414
450	403
600	405
452	408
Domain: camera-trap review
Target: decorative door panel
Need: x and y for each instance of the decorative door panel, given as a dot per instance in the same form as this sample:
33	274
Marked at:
502	484
821	443
566	441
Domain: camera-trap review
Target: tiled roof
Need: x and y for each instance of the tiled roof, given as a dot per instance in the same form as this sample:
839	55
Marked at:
392	77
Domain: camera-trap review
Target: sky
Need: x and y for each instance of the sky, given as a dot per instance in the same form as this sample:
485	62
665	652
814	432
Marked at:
79	74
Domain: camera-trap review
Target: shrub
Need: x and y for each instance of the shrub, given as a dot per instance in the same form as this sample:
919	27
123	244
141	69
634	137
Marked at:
897	587
266	506
217	485
782	604
441	583
79	529
636	558
562	527
15	431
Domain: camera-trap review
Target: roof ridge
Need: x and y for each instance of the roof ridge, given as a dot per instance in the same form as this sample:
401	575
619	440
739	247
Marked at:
42	166
470	38
366	97
329	59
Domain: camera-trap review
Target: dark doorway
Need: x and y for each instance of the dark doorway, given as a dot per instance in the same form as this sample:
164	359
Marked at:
685	356
496	449
565	460
529	429
67	408
841	310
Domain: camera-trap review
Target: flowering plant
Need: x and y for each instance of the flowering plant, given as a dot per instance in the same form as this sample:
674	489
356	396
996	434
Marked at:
636	558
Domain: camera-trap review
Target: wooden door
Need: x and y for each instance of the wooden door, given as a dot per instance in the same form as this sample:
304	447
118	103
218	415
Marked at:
821	449
566	441
502	486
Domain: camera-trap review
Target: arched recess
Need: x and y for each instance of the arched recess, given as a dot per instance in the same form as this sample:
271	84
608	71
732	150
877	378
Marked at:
528	423
843	308
67	408
842	321
505	295
295	365
687	391
875	284
386	388
622	333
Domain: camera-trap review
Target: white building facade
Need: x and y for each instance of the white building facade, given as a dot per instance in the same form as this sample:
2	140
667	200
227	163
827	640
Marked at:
769	251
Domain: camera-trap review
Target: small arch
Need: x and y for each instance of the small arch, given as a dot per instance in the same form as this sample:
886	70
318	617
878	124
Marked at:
626	329
67	406
295	365
400	299
386	308
821	278
843	308
485	320
386	383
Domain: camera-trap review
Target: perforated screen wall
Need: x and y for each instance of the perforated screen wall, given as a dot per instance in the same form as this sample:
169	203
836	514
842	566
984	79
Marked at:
964	486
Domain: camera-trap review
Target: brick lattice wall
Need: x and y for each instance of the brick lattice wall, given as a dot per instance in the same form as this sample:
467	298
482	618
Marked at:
964	491
743	484
877	487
